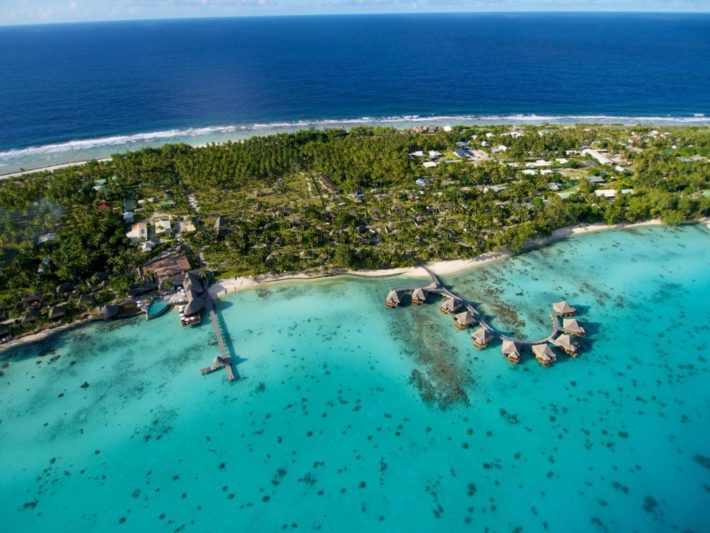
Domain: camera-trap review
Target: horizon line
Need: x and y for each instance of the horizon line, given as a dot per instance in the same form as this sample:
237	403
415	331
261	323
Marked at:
359	14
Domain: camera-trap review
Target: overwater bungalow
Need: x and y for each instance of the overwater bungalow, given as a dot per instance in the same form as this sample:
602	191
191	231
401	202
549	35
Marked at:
464	320
565	342
510	351
571	326
563	309
482	338
544	355
451	305
393	300
419	296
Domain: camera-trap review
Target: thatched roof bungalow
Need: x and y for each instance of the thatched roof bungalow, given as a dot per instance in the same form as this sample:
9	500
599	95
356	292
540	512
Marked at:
109	312
510	351
32	315
393	299
66	288
419	296
567	344
544	355
195	304
451	305
58	311
464	320
571	326
482	338
192	282
563	309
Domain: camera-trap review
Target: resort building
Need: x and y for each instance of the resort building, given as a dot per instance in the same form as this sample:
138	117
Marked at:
563	308
464	320
393	300
571	326
57	312
565	342
482	338
138	233
419	296
598	156
510	351
169	268
544	355
451	305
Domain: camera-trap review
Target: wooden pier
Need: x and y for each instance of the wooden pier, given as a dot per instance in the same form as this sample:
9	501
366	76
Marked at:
224	360
437	287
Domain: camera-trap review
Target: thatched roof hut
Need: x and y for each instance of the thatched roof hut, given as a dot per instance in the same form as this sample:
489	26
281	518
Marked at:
571	326
31	315
192	282
482	338
109	312
194	306
65	288
58	311
510	351
464	320
544	355
393	299
419	296
567	344
451	305
563	308
85	301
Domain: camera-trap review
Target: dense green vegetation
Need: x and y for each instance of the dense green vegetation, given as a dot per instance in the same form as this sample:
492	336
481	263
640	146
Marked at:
280	215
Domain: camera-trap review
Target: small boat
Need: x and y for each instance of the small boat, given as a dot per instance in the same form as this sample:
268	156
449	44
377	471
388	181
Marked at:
158	307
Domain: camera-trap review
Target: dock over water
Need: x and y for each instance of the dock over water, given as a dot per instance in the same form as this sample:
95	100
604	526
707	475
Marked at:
224	360
437	287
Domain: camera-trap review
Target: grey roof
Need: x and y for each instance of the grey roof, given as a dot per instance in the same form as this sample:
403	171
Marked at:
58	311
194	306
192	282
109	311
66	287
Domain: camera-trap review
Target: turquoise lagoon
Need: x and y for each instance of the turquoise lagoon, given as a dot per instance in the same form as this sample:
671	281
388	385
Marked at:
112	427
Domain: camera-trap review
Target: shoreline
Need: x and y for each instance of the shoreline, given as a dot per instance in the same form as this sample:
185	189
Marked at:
202	136
446	267
230	286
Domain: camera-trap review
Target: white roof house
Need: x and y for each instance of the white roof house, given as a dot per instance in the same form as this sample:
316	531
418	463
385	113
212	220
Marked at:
433	154
138	233
562	160
530	172
540	163
418	153
499	148
430	164
606	193
553	186
598	156
163	226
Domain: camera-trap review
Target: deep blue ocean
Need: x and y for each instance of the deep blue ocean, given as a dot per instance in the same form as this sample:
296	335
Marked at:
160	80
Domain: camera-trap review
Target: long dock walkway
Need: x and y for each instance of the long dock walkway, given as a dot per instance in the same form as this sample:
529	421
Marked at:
438	287
225	360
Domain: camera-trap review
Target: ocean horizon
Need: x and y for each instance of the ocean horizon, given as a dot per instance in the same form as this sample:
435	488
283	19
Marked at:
83	91
111	426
